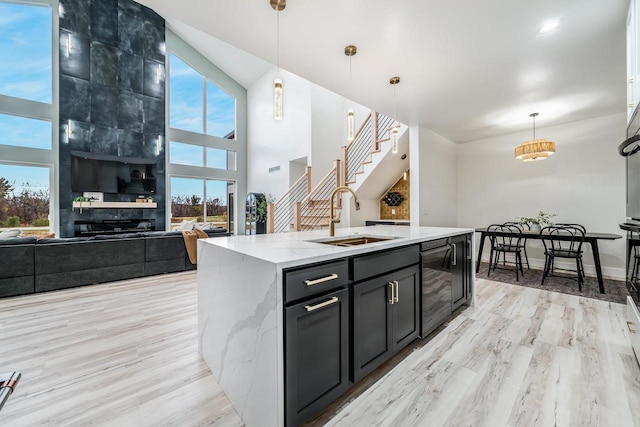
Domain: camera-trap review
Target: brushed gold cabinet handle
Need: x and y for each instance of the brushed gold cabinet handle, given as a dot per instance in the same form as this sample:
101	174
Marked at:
333	276
630	325
395	298
392	298
333	300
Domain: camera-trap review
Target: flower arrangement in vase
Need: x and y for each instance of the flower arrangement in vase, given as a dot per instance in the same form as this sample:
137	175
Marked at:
536	223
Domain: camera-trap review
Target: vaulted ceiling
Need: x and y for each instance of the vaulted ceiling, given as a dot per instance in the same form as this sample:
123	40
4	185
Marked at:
469	69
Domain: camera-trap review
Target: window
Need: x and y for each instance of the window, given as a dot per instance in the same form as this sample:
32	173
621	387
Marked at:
194	155
188	110
205	200
204	146
25	132
25	57
24	198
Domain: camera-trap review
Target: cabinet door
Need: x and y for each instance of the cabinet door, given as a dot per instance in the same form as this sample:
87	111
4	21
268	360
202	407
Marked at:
316	354
458	282
406	313
372	334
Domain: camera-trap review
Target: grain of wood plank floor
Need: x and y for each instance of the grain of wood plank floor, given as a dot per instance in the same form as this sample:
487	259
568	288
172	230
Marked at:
125	354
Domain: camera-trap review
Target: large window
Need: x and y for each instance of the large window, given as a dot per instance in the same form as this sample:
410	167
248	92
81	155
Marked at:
202	147
26	116
198	105
25	57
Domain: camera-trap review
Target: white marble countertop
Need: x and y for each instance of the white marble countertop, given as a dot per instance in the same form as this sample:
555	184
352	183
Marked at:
292	249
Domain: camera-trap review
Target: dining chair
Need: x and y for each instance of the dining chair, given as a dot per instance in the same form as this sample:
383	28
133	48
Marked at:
563	242
505	239
581	227
522	227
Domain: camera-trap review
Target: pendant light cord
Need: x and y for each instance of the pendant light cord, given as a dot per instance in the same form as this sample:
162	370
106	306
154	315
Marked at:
395	116
278	40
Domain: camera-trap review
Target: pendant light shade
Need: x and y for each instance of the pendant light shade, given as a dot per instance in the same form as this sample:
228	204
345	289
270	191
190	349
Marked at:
350	51
277	98
277	5
535	149
351	125
394	130
394	140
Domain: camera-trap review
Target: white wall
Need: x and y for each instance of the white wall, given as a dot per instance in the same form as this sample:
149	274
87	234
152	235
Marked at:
434	190
274	143
584	182
314	126
329	128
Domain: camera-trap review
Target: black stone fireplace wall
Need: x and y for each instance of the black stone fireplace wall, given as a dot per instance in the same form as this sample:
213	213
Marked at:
112	97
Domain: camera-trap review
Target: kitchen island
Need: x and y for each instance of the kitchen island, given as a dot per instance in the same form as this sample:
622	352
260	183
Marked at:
252	291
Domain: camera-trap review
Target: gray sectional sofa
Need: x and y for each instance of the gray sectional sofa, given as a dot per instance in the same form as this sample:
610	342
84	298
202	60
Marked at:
28	265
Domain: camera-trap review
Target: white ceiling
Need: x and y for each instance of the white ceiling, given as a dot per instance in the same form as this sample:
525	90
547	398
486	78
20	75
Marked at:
469	69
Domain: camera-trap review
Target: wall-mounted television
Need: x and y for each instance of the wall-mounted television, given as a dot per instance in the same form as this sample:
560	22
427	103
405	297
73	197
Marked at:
112	174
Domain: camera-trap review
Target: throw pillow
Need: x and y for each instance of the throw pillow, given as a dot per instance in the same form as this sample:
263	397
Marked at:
187	225
203	226
8	234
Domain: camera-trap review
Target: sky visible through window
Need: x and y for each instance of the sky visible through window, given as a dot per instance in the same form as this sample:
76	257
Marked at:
25	132
25	177
25	57
187	112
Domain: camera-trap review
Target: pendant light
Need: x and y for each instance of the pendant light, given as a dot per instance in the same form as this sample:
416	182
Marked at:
351	125
394	130
277	5
535	149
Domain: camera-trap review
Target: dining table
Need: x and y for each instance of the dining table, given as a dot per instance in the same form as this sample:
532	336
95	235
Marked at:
590	237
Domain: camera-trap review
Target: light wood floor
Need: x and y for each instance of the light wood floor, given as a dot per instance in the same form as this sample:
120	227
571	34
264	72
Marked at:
125	354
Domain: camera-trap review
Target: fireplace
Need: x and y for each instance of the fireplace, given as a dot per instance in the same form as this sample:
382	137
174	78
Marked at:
112	226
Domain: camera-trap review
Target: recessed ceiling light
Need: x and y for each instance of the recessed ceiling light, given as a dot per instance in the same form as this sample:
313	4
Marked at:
549	26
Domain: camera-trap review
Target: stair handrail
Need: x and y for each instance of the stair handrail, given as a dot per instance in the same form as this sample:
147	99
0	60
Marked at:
320	192
280	213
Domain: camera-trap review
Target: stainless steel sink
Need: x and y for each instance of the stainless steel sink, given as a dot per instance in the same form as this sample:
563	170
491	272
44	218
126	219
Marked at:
353	240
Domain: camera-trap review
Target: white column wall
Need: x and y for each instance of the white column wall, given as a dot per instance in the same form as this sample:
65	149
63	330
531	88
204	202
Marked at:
584	182
433	187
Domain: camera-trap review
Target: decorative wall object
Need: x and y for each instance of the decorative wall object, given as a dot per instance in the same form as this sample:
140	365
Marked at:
393	198
112	96
400	211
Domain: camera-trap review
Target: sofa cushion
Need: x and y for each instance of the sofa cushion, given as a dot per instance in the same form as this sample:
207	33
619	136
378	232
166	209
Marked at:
47	241
119	236
18	241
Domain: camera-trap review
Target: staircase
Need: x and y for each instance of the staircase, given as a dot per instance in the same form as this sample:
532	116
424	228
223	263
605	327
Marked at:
304	209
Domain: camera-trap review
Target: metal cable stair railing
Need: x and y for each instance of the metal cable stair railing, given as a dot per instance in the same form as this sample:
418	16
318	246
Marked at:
313	211
366	142
281	213
303	209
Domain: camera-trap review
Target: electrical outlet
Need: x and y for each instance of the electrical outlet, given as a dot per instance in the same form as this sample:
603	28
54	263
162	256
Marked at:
393	211
425	211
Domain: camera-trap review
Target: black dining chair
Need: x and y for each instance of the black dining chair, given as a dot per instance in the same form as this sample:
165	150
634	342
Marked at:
584	230
505	239
522	227
563	242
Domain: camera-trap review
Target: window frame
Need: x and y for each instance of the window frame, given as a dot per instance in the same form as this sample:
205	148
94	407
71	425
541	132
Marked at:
211	73
20	107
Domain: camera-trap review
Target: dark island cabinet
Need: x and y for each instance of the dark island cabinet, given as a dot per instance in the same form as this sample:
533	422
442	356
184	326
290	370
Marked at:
316	354
386	318
460	270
